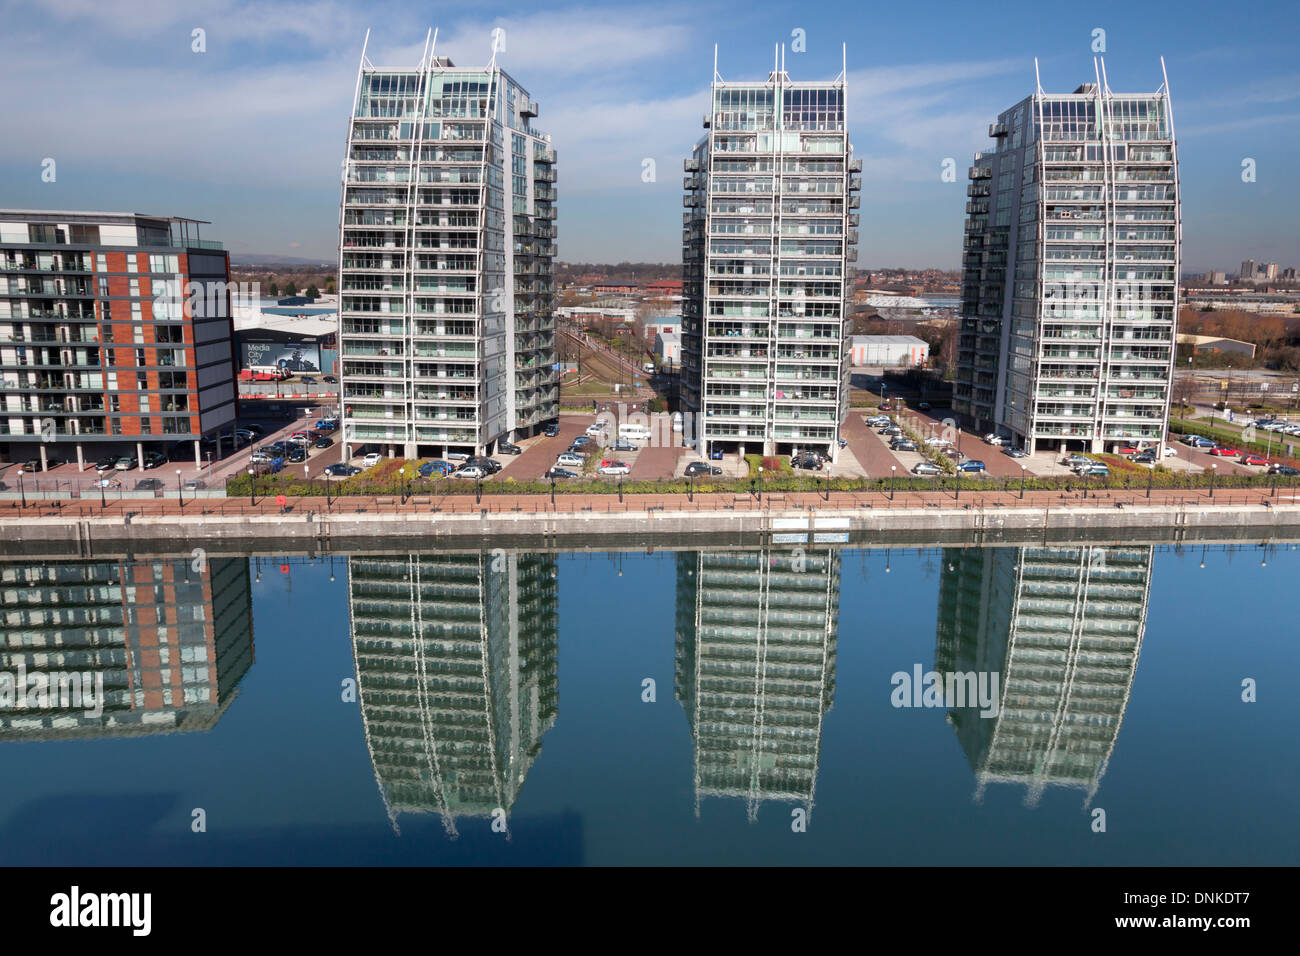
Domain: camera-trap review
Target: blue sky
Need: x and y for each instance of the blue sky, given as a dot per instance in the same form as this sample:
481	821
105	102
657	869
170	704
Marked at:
250	134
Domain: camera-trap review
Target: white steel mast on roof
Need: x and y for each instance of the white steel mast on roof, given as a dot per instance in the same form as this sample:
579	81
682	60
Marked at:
1038	79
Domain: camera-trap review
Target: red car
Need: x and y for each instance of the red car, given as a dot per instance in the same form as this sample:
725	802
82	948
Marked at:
1223	451
1254	460
1127	450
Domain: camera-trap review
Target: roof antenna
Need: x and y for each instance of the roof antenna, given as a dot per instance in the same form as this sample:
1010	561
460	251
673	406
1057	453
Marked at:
425	56
1038	79
716	78
1105	84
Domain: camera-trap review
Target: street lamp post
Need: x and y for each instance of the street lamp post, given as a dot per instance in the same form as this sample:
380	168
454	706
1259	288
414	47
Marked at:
306	476
252	488
21	490
478	491
179	496
691	494
102	502
1213	470
760	482
1022	482
552	489
401	480
892	470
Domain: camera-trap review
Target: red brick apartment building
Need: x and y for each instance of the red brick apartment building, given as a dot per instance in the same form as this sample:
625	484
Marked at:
116	337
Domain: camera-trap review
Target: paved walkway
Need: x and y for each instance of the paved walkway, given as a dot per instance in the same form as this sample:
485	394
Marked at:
578	504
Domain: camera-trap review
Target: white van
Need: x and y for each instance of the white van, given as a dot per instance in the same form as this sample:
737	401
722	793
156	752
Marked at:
634	432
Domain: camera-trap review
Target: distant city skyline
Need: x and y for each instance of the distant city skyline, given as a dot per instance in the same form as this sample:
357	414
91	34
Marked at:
249	133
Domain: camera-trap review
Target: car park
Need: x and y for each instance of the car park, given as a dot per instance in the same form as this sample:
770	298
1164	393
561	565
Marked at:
570	460
371	460
1250	459
926	469
435	467
696	468
550	431
508	448
149	484
973	466
611	466
560	473
469	471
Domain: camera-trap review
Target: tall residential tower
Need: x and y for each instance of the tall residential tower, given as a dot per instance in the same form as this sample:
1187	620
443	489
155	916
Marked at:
445	262
768	242
1070	272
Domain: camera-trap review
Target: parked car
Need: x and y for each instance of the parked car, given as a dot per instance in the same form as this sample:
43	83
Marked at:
326	425
435	467
903	444
371	460
149	484
1204	443
1286	470
307	380
260	458
1224	451
971	466
253	428
612	466
1254	460
1143	458
296	455
1171	452
457	456
489	465
570	460
582	440
509	448
1095	470
106	464
195	484
154	459
125	463
1190	439
323	442
696	468
342	470
934	441
926	468
108	483
1015	452
993	439
1127	450
806	462
923	406
892	431
330	379
1076	459
469	471
596	429
550	431
560	473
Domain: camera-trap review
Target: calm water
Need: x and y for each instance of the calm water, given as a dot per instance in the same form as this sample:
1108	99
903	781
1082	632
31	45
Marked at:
289	701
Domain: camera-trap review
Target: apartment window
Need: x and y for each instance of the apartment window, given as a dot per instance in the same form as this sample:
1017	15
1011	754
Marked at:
114	403
134	283
145	428
139	357
141	381
102	263
110	358
144	405
108	333
115	426
102	284
137	333
132	266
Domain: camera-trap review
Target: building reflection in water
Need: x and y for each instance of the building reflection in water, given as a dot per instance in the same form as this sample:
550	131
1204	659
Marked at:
169	638
755	669
457	672
1063	627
